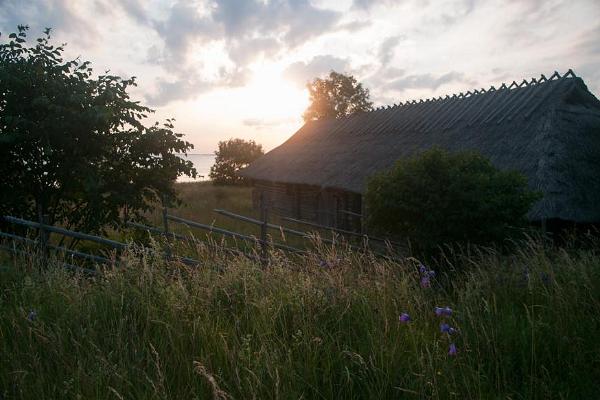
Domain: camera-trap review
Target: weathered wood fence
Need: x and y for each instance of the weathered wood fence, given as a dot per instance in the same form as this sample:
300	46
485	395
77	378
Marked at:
259	246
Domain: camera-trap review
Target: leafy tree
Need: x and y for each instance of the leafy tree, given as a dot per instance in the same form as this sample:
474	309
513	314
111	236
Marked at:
233	155
439	198
75	147
335	97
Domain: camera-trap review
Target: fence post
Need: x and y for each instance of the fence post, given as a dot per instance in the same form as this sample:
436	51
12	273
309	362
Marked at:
43	238
263	227
165	213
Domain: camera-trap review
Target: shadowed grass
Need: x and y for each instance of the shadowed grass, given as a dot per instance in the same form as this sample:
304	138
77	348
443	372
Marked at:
527	329
199	199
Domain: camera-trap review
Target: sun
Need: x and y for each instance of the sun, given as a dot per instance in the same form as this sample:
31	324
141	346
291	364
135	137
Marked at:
269	95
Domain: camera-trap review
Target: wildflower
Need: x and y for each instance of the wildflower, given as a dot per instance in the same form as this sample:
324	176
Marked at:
32	315
323	264
425	282
422	269
452	350
445	328
431	273
404	318
443	311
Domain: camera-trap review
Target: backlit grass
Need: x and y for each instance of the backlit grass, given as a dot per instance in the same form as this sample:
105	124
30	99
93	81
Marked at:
304	328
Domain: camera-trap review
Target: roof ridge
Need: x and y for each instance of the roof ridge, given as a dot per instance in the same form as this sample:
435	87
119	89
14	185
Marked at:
475	92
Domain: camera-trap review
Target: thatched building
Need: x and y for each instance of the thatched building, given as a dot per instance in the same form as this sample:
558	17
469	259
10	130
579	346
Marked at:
546	128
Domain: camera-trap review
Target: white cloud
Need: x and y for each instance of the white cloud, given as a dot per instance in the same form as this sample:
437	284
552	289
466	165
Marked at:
188	53
303	72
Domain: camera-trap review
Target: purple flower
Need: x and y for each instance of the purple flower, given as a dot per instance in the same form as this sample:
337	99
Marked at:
323	264
404	318
431	274
452	350
32	315
443	311
425	282
422	269
445	328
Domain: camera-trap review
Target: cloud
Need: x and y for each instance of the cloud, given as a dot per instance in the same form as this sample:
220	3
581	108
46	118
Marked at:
188	86
426	81
259	123
280	24
135	10
456	11
245	51
59	15
302	72
174	90
247	30
588	43
353	26
387	47
369	4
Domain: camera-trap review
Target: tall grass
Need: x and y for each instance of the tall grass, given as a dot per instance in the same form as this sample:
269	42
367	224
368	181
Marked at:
199	199
304	328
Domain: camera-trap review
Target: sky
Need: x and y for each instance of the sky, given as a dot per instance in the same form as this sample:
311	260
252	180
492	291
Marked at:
239	68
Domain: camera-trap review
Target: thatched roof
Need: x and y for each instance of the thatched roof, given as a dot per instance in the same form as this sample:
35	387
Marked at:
547	128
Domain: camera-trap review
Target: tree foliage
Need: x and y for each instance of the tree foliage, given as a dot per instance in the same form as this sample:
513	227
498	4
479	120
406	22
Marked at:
439	198
336	96
233	155
75	146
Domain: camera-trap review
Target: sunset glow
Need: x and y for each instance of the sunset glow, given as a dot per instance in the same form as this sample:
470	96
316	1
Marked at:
238	69
270	96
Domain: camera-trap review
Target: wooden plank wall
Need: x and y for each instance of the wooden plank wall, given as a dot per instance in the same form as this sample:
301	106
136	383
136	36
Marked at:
310	203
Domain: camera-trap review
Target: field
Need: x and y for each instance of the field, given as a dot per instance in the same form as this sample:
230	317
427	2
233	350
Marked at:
198	202
326	326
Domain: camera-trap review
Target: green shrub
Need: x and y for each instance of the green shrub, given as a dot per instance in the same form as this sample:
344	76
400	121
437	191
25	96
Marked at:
439	198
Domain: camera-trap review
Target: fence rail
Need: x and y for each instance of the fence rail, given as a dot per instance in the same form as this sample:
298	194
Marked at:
66	232
263	240
236	235
75	253
78	235
340	231
269	225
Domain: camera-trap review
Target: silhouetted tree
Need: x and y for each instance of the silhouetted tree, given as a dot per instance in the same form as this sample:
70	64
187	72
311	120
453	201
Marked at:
233	155
75	147
336	96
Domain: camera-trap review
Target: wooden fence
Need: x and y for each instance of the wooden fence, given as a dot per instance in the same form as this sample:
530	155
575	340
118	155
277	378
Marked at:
260	245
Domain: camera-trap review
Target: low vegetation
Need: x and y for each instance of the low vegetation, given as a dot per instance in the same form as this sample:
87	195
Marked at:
335	324
439	198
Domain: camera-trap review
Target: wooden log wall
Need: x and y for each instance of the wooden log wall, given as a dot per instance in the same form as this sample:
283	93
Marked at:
310	203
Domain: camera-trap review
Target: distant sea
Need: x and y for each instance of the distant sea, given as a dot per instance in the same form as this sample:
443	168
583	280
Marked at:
202	163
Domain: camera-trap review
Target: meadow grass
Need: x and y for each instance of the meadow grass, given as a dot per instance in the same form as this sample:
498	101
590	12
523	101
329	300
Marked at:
200	199
304	328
